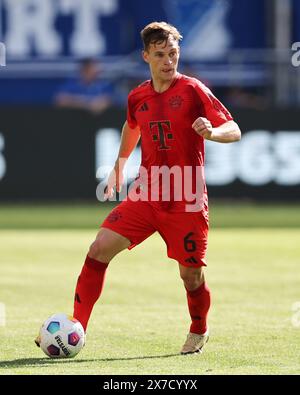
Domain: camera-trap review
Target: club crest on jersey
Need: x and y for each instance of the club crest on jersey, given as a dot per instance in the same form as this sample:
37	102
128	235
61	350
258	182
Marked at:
217	105
175	101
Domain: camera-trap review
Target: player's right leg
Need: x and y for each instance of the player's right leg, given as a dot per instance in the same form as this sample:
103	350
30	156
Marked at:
107	244
127	225
90	283
91	279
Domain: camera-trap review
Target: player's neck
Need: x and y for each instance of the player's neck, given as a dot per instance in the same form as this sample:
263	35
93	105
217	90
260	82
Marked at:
161	86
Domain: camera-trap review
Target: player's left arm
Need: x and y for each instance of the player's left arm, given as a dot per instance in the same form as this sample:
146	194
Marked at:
228	132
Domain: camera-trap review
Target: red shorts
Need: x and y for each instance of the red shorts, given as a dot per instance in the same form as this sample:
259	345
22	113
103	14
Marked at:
185	234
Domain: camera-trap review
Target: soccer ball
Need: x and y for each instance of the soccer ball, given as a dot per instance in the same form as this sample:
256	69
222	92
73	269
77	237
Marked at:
61	336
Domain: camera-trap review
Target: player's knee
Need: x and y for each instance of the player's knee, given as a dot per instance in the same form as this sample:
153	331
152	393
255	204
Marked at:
100	251
192	278
107	245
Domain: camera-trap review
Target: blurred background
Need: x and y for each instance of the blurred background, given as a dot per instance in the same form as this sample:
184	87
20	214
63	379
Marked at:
70	65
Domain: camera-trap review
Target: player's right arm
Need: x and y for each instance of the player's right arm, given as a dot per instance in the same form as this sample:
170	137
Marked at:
129	139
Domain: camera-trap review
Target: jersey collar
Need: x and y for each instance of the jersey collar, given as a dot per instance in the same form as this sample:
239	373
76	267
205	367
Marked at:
176	78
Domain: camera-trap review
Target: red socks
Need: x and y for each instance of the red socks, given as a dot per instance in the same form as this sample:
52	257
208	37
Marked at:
90	284
88	289
199	303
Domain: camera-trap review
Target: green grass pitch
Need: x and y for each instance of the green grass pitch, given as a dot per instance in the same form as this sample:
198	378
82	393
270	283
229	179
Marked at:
141	321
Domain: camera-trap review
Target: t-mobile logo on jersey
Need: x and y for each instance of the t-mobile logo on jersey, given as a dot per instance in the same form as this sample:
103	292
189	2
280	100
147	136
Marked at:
2	54
161	131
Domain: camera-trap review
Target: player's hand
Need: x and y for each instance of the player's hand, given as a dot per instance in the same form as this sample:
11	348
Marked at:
203	127
115	180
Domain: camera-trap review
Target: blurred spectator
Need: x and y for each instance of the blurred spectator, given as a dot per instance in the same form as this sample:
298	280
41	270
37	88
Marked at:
87	91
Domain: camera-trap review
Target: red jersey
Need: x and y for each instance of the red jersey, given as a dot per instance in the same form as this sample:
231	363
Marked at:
167	137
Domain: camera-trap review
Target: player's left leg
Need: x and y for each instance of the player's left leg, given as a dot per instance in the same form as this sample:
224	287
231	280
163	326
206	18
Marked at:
198	299
186	237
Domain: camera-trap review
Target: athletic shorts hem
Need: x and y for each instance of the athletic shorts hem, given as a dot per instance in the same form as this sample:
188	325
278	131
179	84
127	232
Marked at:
201	263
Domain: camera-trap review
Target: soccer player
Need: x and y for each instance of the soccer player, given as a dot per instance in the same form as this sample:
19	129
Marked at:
172	114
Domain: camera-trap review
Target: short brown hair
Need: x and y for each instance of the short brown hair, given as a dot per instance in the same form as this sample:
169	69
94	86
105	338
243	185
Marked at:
158	32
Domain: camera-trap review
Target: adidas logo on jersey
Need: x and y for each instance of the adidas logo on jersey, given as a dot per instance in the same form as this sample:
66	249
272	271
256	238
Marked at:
144	107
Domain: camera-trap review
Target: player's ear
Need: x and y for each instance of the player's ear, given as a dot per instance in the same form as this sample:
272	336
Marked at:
145	56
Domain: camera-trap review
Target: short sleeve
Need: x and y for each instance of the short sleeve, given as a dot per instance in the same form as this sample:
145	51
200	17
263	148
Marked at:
130	114
215	111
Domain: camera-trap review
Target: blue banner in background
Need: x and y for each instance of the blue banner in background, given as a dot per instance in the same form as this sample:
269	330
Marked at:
45	38
212	27
296	19
50	29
